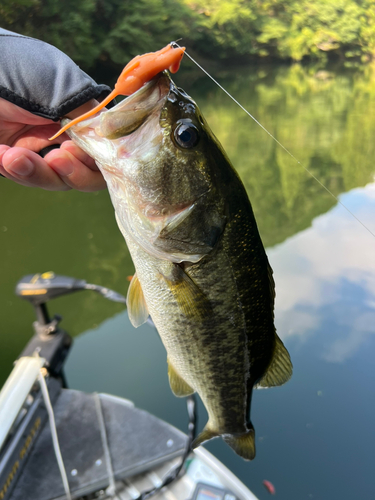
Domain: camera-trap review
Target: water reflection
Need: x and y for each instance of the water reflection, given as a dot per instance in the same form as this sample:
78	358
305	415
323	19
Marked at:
328	125
325	313
315	434
329	269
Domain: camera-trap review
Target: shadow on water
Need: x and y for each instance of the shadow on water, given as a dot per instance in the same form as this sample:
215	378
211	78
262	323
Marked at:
314	435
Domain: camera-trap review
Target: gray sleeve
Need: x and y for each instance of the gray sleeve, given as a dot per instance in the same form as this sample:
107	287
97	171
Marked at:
41	79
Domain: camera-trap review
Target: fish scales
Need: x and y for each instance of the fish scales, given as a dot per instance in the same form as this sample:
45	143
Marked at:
215	343
201	269
207	343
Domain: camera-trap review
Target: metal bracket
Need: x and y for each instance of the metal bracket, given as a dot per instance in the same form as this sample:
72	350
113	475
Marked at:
44	330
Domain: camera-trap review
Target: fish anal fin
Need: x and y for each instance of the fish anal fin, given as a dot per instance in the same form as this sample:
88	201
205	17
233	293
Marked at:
243	444
280	369
137	308
204	436
179	387
192	302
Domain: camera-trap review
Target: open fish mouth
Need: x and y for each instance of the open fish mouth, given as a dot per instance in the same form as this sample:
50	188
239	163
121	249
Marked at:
116	130
127	116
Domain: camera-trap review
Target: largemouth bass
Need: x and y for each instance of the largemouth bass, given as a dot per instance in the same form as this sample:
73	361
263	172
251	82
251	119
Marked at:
201	269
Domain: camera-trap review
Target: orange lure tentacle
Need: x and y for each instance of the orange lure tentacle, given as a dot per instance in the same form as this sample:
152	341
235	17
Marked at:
136	73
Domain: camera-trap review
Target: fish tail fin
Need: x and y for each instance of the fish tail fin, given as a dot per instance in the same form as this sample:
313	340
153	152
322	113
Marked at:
205	435
243	445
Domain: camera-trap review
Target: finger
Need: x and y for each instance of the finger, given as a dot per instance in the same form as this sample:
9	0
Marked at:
3	149
29	169
3	172
36	138
74	172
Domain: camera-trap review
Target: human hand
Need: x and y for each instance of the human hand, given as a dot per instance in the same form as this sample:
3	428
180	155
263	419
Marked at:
23	135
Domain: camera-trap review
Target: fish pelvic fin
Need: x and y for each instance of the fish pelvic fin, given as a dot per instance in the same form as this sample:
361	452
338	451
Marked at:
179	387
280	369
137	308
243	444
205	435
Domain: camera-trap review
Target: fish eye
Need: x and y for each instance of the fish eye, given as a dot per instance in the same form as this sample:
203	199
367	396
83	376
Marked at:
186	135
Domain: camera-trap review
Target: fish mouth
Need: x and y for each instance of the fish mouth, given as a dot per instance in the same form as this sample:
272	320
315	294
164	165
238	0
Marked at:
130	114
130	131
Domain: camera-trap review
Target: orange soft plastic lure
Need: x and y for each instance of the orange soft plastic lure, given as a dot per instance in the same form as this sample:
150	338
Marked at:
136	73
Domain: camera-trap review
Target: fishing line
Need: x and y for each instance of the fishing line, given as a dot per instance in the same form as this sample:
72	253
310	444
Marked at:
55	439
175	45
111	490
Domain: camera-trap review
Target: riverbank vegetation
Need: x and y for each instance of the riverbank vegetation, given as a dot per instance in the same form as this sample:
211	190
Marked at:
113	31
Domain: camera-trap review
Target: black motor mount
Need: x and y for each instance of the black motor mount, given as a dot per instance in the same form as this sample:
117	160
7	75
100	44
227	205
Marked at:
50	341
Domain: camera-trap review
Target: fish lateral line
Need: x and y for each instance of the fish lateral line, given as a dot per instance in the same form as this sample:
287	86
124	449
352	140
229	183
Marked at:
137	72
175	44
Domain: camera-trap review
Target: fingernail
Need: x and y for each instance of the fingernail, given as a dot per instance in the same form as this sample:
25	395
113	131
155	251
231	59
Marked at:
21	166
61	167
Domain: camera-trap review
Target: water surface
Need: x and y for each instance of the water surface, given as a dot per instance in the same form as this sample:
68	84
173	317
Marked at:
314	435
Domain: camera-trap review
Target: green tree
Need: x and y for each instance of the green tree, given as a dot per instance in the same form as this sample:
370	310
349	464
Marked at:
67	25
227	27
322	26
127	28
110	32
367	38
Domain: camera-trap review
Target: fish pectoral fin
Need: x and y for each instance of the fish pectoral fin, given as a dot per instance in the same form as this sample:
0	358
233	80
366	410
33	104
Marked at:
191	300
137	308
280	369
205	435
179	387
243	444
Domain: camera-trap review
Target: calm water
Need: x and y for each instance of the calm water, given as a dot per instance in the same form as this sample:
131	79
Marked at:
315	436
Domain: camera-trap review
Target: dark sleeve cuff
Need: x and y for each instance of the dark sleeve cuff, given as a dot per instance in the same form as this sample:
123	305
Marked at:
41	79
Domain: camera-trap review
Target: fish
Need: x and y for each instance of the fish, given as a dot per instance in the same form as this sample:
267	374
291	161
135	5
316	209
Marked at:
202	273
135	74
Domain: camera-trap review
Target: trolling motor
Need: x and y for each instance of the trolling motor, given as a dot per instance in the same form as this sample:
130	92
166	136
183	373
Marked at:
50	341
29	399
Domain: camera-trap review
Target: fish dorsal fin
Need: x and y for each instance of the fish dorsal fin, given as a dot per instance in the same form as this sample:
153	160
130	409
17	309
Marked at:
280	369
179	387
192	302
137	308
